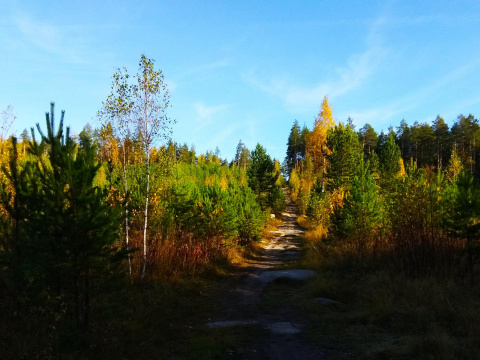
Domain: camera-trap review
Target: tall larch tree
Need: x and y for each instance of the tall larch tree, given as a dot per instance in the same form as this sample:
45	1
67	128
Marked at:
317	140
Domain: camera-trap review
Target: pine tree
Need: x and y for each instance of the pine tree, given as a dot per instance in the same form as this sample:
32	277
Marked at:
442	146
360	215
294	148
368	139
464	220
389	161
262	176
345	153
67	227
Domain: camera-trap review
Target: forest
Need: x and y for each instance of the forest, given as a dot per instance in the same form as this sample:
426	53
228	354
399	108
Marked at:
410	195
114	233
91	219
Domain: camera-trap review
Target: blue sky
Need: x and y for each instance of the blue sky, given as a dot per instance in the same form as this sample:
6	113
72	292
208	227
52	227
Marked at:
246	69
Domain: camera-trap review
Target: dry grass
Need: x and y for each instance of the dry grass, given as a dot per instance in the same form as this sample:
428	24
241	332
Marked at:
386	315
269	231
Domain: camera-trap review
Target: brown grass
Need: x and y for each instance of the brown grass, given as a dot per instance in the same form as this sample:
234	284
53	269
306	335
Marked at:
384	314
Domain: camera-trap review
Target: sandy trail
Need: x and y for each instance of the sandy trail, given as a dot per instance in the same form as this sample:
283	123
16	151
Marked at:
281	327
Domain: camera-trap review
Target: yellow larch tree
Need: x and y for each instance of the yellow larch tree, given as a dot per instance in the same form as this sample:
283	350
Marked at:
317	140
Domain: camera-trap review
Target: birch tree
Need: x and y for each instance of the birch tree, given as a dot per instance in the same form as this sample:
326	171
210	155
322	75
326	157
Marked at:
117	111
151	99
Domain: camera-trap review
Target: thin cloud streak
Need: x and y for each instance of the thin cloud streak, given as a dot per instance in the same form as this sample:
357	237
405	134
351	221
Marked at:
395	110
214	65
205	115
44	36
353	75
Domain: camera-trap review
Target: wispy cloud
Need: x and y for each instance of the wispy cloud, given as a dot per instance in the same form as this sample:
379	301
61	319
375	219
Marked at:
206	114
357	69
202	68
220	137
42	35
396	109
65	42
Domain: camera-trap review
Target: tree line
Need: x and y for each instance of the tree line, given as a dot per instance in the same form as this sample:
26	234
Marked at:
119	205
408	197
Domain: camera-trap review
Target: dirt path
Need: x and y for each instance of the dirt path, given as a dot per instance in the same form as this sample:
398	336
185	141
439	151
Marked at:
256	304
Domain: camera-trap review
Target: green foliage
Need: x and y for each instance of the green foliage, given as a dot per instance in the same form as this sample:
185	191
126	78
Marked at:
242	156
197	204
360	216
389	161
464	220
344	157
295	148
294	185
368	138
277	200
317	207
262	178
63	226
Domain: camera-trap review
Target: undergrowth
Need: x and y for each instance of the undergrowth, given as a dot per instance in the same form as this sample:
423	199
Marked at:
383	314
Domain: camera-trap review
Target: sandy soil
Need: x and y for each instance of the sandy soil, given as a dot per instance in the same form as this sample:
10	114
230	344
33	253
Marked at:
280	327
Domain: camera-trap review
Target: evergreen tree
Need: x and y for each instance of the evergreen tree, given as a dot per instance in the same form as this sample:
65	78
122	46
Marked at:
464	220
389	160
360	215
343	158
423	139
368	138
465	134
294	148
443	143
67	227
262	176
304	139
242	156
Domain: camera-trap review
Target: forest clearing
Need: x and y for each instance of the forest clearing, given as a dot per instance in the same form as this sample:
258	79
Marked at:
355	256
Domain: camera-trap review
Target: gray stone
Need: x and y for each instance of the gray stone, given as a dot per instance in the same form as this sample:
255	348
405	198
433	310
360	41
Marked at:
284	328
230	323
292	274
326	301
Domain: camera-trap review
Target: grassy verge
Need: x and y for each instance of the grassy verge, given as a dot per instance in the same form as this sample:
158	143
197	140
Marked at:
381	314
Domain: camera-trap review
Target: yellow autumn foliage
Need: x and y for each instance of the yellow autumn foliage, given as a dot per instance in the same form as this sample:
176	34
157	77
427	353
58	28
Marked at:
317	140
